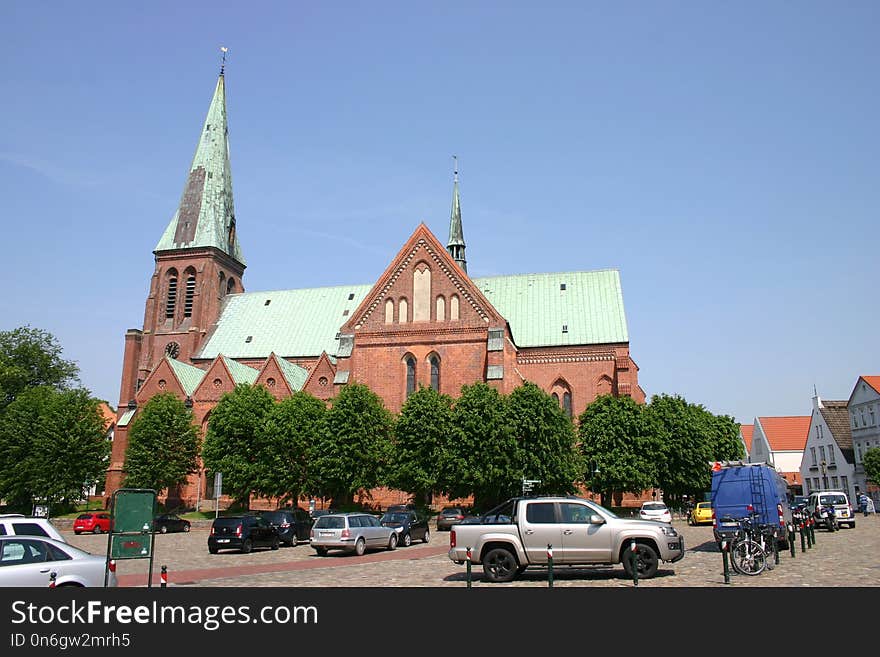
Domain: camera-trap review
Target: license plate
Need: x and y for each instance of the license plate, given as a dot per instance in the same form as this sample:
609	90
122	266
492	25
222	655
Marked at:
326	533
844	514
222	540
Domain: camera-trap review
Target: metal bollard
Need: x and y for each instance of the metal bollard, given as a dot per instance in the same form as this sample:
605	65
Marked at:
52	576
633	548
163	577
775	540
811	535
803	538
550	565
468	567
725	548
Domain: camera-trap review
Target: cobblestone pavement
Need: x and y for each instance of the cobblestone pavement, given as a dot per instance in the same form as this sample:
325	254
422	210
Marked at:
849	558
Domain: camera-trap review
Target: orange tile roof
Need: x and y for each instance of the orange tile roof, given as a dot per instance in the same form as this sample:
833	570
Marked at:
786	433
747	430
108	413
873	381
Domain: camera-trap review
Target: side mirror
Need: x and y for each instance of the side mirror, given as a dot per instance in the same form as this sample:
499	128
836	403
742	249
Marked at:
596	519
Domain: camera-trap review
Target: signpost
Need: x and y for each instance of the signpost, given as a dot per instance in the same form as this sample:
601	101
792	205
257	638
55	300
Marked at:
218	491
529	484
131	527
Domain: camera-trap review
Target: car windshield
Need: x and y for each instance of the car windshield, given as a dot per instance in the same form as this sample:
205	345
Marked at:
330	522
273	516
704	505
228	522
395	517
653	506
832	499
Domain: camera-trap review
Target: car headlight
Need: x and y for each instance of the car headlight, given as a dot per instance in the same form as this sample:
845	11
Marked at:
669	530
398	529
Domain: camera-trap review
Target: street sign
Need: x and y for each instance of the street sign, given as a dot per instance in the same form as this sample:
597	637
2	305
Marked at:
131	546
133	510
218	485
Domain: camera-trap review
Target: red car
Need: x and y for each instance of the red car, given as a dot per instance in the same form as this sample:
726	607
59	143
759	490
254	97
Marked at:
96	523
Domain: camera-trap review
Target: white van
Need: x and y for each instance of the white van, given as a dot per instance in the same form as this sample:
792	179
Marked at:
15	524
842	508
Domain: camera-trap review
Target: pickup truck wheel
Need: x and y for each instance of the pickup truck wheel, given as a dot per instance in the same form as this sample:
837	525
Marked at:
499	565
646	561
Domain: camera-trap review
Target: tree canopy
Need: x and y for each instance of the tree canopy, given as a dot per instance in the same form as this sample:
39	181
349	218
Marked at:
31	358
871	461
163	445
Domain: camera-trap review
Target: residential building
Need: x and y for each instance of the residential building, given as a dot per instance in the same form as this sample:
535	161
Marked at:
780	441
864	421
746	432
828	462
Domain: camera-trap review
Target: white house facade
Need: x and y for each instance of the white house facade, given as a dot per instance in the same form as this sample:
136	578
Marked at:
828	462
864	420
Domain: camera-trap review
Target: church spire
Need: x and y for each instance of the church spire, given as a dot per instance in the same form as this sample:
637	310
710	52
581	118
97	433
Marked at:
206	214
456	235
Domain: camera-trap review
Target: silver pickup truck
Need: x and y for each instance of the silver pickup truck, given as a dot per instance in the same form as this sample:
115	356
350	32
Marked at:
521	532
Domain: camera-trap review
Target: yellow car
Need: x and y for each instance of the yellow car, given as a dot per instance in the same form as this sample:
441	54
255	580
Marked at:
702	514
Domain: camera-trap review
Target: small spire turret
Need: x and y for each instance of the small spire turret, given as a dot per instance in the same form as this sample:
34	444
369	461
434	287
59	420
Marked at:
456	245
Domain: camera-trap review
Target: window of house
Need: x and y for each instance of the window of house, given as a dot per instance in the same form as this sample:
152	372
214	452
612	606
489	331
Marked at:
813	454
435	372
871	413
566	403
858	453
831	454
822	453
410	375
821	433
862	413
854	425
844	484
834	483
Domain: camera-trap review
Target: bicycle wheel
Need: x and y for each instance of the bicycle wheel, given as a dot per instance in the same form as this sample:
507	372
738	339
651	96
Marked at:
748	558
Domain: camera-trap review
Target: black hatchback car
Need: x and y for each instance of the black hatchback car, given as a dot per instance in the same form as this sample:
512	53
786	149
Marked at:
293	525
409	526
169	522
242	533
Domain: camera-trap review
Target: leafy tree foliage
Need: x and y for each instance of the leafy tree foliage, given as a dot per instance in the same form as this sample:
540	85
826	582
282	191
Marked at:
871	461
235	440
163	445
545	439
31	358
617	439
354	449
291	432
422	434
482	459
53	445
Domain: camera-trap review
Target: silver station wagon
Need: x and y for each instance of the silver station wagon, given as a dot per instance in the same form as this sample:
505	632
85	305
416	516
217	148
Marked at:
351	532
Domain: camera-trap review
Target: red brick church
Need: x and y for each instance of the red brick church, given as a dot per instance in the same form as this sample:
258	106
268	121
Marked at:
423	321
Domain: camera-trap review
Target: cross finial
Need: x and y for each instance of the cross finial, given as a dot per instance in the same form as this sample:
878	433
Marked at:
224	50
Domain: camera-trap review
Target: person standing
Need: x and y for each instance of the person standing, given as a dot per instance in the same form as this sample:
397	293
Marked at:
863	504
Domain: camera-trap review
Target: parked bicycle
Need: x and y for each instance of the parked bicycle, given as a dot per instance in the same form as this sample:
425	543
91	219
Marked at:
747	554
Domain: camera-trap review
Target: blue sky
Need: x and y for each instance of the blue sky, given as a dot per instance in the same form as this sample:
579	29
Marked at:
724	158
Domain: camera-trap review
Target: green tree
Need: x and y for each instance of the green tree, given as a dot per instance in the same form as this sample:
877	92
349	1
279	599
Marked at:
546	440
235	440
54	446
871	461
163	445
619	447
355	444
422	434
482	459
31	358
291	432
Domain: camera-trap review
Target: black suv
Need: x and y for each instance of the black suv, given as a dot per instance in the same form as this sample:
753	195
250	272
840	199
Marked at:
242	533
293	525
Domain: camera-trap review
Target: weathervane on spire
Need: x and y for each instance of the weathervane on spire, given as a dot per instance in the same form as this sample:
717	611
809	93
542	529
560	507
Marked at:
455	167
223	49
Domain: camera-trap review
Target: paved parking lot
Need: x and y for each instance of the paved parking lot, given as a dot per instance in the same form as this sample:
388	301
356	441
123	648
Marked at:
845	558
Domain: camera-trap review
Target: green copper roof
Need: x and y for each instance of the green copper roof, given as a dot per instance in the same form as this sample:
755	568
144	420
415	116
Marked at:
241	373
206	215
589	310
296	376
289	322
189	376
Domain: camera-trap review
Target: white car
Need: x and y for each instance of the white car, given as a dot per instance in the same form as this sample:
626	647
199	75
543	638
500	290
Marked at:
20	525
31	560
655	511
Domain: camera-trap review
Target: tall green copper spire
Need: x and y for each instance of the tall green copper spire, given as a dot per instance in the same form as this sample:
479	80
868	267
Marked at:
206	215
456	234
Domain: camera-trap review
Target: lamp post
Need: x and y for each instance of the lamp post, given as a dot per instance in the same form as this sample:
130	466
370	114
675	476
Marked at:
593	481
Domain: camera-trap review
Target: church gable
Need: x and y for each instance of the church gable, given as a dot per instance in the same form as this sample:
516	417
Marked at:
218	380
422	285
320	381
163	378
272	377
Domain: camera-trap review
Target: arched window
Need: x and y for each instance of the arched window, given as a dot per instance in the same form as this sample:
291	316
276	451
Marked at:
441	309
171	297
556	398
410	375
434	360
230	286
222	286
188	297
566	403
453	308
389	311
402	311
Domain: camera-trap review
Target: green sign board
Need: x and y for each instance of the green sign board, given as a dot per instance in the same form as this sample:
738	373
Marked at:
130	546
133	510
